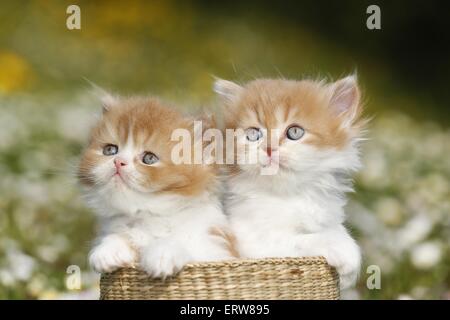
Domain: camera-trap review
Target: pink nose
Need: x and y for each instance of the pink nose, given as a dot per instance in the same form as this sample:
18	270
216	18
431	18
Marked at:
119	163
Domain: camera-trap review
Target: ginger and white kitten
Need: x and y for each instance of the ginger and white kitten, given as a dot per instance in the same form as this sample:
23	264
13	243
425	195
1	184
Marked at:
152	212
308	131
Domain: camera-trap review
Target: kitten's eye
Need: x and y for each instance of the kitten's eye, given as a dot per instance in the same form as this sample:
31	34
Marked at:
295	132
149	158
110	149
253	134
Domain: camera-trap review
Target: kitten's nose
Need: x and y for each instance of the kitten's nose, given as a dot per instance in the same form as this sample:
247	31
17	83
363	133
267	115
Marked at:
119	163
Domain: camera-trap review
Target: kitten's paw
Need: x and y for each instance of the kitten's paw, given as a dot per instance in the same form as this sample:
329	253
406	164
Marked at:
112	253
163	260
347	263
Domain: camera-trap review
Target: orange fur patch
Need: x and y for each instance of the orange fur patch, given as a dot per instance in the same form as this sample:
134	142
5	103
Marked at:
228	239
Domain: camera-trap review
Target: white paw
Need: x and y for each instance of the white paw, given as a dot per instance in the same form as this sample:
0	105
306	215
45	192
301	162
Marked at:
347	263
112	253
161	261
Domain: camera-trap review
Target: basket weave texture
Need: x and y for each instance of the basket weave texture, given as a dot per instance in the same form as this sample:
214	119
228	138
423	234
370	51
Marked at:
285	278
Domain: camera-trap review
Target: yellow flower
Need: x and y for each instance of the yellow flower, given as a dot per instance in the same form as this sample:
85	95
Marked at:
15	72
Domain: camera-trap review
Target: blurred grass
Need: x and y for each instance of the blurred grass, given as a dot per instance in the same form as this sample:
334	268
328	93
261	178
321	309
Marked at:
173	48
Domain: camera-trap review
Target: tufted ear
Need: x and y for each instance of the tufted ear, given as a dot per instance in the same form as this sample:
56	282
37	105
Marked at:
108	101
345	97
228	90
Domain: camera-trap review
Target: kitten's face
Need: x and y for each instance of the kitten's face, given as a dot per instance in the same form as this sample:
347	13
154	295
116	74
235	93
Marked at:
294	126
130	153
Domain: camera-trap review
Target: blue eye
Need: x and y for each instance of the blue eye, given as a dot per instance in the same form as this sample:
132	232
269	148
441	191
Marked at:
295	132
149	158
110	149
253	134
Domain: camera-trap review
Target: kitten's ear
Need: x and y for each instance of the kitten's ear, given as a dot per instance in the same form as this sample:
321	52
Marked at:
228	90
345	98
108	101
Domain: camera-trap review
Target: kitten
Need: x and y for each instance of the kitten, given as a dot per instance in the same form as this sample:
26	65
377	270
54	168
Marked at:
307	131
152	212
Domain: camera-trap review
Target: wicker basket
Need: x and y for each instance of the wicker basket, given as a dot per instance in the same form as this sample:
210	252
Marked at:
287	278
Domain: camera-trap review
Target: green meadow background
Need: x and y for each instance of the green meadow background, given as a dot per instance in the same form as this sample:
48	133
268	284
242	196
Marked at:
400	210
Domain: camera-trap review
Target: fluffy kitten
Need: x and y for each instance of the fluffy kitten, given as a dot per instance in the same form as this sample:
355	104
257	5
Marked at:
152	212
297	210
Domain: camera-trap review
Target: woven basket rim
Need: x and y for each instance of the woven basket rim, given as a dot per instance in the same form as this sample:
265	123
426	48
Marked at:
246	262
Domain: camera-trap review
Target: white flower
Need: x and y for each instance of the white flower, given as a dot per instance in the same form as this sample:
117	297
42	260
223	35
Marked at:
51	252
426	255
7	278
21	265
363	219
414	231
18	266
390	211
